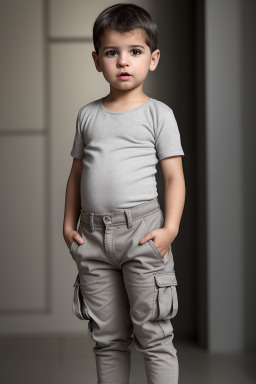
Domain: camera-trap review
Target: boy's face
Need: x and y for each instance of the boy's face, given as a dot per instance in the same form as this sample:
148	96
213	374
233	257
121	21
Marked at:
116	55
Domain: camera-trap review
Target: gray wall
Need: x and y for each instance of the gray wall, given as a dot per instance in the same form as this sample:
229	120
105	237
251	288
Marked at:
248	91
230	99
53	41
224	174
206	74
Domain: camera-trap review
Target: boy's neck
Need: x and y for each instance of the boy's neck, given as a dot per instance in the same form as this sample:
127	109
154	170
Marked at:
120	102
118	96
123	105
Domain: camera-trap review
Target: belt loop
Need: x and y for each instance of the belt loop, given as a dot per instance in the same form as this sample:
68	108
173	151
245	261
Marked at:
91	221
128	217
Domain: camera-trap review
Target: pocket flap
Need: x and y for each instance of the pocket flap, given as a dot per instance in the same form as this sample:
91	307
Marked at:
165	279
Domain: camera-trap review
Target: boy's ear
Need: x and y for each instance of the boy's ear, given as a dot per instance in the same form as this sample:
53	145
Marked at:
96	61
155	57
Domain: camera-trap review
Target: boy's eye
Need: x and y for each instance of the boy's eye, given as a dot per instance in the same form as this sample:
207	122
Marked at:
107	53
136	50
110	53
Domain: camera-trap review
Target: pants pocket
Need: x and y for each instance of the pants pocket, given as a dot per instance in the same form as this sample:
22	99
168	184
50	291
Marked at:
155	221
165	305
74	245
156	251
79	306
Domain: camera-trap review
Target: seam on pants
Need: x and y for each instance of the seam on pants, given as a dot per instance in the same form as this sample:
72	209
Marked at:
155	288
105	243
161	258
113	245
161	327
154	298
123	316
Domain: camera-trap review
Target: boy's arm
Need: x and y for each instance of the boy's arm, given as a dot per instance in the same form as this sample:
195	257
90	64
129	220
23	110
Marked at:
174	203
73	203
175	192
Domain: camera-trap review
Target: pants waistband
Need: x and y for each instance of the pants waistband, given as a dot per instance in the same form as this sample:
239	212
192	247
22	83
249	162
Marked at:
124	216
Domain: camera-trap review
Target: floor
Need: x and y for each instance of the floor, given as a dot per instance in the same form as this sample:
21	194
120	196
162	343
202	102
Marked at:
69	359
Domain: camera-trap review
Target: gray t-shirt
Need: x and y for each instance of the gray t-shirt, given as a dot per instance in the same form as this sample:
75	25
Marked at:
120	151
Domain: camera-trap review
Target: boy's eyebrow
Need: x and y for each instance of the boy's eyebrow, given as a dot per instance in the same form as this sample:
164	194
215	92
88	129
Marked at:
134	45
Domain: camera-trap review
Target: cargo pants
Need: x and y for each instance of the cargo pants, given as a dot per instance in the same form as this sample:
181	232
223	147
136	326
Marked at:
129	290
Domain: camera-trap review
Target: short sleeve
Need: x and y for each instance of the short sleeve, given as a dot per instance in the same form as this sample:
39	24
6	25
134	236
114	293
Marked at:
168	141
77	150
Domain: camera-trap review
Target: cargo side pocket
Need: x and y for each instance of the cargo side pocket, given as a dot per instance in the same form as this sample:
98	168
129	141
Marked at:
165	305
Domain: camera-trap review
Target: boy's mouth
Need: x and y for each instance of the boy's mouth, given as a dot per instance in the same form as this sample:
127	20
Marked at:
124	75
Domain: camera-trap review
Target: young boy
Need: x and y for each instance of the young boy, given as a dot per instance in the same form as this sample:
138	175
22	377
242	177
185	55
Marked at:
122	248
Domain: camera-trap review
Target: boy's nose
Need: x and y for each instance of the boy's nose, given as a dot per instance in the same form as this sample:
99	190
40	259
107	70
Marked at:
123	60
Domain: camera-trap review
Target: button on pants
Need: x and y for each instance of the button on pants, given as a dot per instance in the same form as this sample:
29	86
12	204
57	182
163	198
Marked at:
130	293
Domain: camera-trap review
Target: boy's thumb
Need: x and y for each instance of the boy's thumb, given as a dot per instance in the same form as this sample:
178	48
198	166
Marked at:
79	238
147	237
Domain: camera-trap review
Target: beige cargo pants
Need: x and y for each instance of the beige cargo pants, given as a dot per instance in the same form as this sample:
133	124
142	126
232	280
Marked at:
129	290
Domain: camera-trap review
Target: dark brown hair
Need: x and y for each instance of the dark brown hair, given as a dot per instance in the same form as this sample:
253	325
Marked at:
124	17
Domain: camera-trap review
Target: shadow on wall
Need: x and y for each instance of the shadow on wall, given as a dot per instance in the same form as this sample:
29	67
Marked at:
248	30
173	82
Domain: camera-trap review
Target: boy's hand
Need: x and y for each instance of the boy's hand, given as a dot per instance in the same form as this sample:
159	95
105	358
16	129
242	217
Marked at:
71	236
164	238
